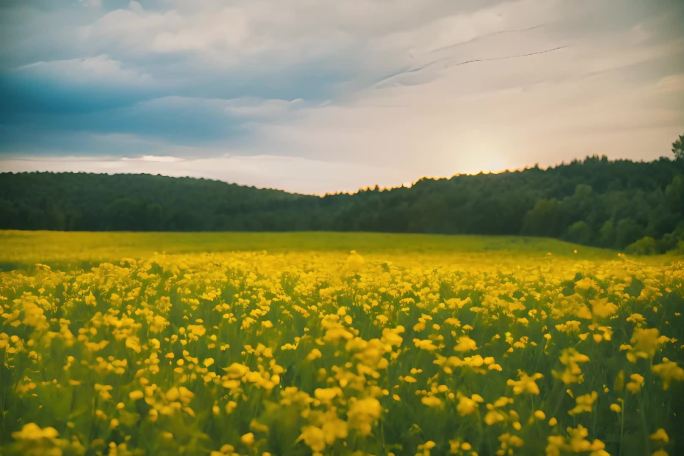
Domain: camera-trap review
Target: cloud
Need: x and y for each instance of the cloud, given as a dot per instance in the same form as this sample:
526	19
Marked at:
267	171
173	120
100	71
74	85
400	88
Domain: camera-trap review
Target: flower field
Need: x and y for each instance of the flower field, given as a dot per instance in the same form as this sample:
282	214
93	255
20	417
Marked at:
325	351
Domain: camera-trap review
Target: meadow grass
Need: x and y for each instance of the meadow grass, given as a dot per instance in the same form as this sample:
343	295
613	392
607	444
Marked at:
26	247
336	343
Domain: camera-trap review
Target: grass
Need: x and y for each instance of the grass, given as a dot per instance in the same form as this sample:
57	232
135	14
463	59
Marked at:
287	344
52	247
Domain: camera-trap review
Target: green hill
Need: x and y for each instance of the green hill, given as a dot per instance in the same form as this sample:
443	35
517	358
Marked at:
595	201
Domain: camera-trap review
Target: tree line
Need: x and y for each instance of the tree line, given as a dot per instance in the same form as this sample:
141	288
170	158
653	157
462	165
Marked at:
618	204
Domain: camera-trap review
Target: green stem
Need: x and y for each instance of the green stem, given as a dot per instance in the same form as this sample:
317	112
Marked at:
644	427
622	423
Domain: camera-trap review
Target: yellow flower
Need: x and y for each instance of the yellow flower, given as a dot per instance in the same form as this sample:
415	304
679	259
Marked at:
586	283
135	395
196	331
467	405
465	344
326	395
645	343
636	318
363	413
314	355
247	439
601	308
634	385
31	431
660	436
668	371
431	401
424	448
391	336
354	263
426	344
571	359
33	314
333	428
526	384
509	441
584	403
314	438
236	370
570	326
493	416
576	443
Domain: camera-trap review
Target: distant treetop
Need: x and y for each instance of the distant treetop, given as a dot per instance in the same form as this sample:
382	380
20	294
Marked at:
593	201
678	148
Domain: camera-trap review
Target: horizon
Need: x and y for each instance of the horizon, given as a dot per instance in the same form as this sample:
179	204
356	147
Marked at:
333	98
370	187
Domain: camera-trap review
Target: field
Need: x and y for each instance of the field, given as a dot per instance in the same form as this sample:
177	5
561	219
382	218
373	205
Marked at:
331	343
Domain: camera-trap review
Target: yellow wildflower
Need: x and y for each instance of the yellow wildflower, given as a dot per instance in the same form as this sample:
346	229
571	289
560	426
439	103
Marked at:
326	395
635	383
668	371
465	344
660	436
584	403
247	439
526	384
363	413
467	405
135	395
31	431
645	343
431	401
572	373
314	355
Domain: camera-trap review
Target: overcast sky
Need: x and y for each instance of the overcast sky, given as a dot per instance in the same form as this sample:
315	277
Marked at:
320	96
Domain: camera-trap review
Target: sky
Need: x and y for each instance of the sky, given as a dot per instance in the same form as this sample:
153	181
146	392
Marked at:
316	96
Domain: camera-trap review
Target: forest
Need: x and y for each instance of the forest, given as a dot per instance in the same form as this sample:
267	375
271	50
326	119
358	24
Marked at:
637	206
